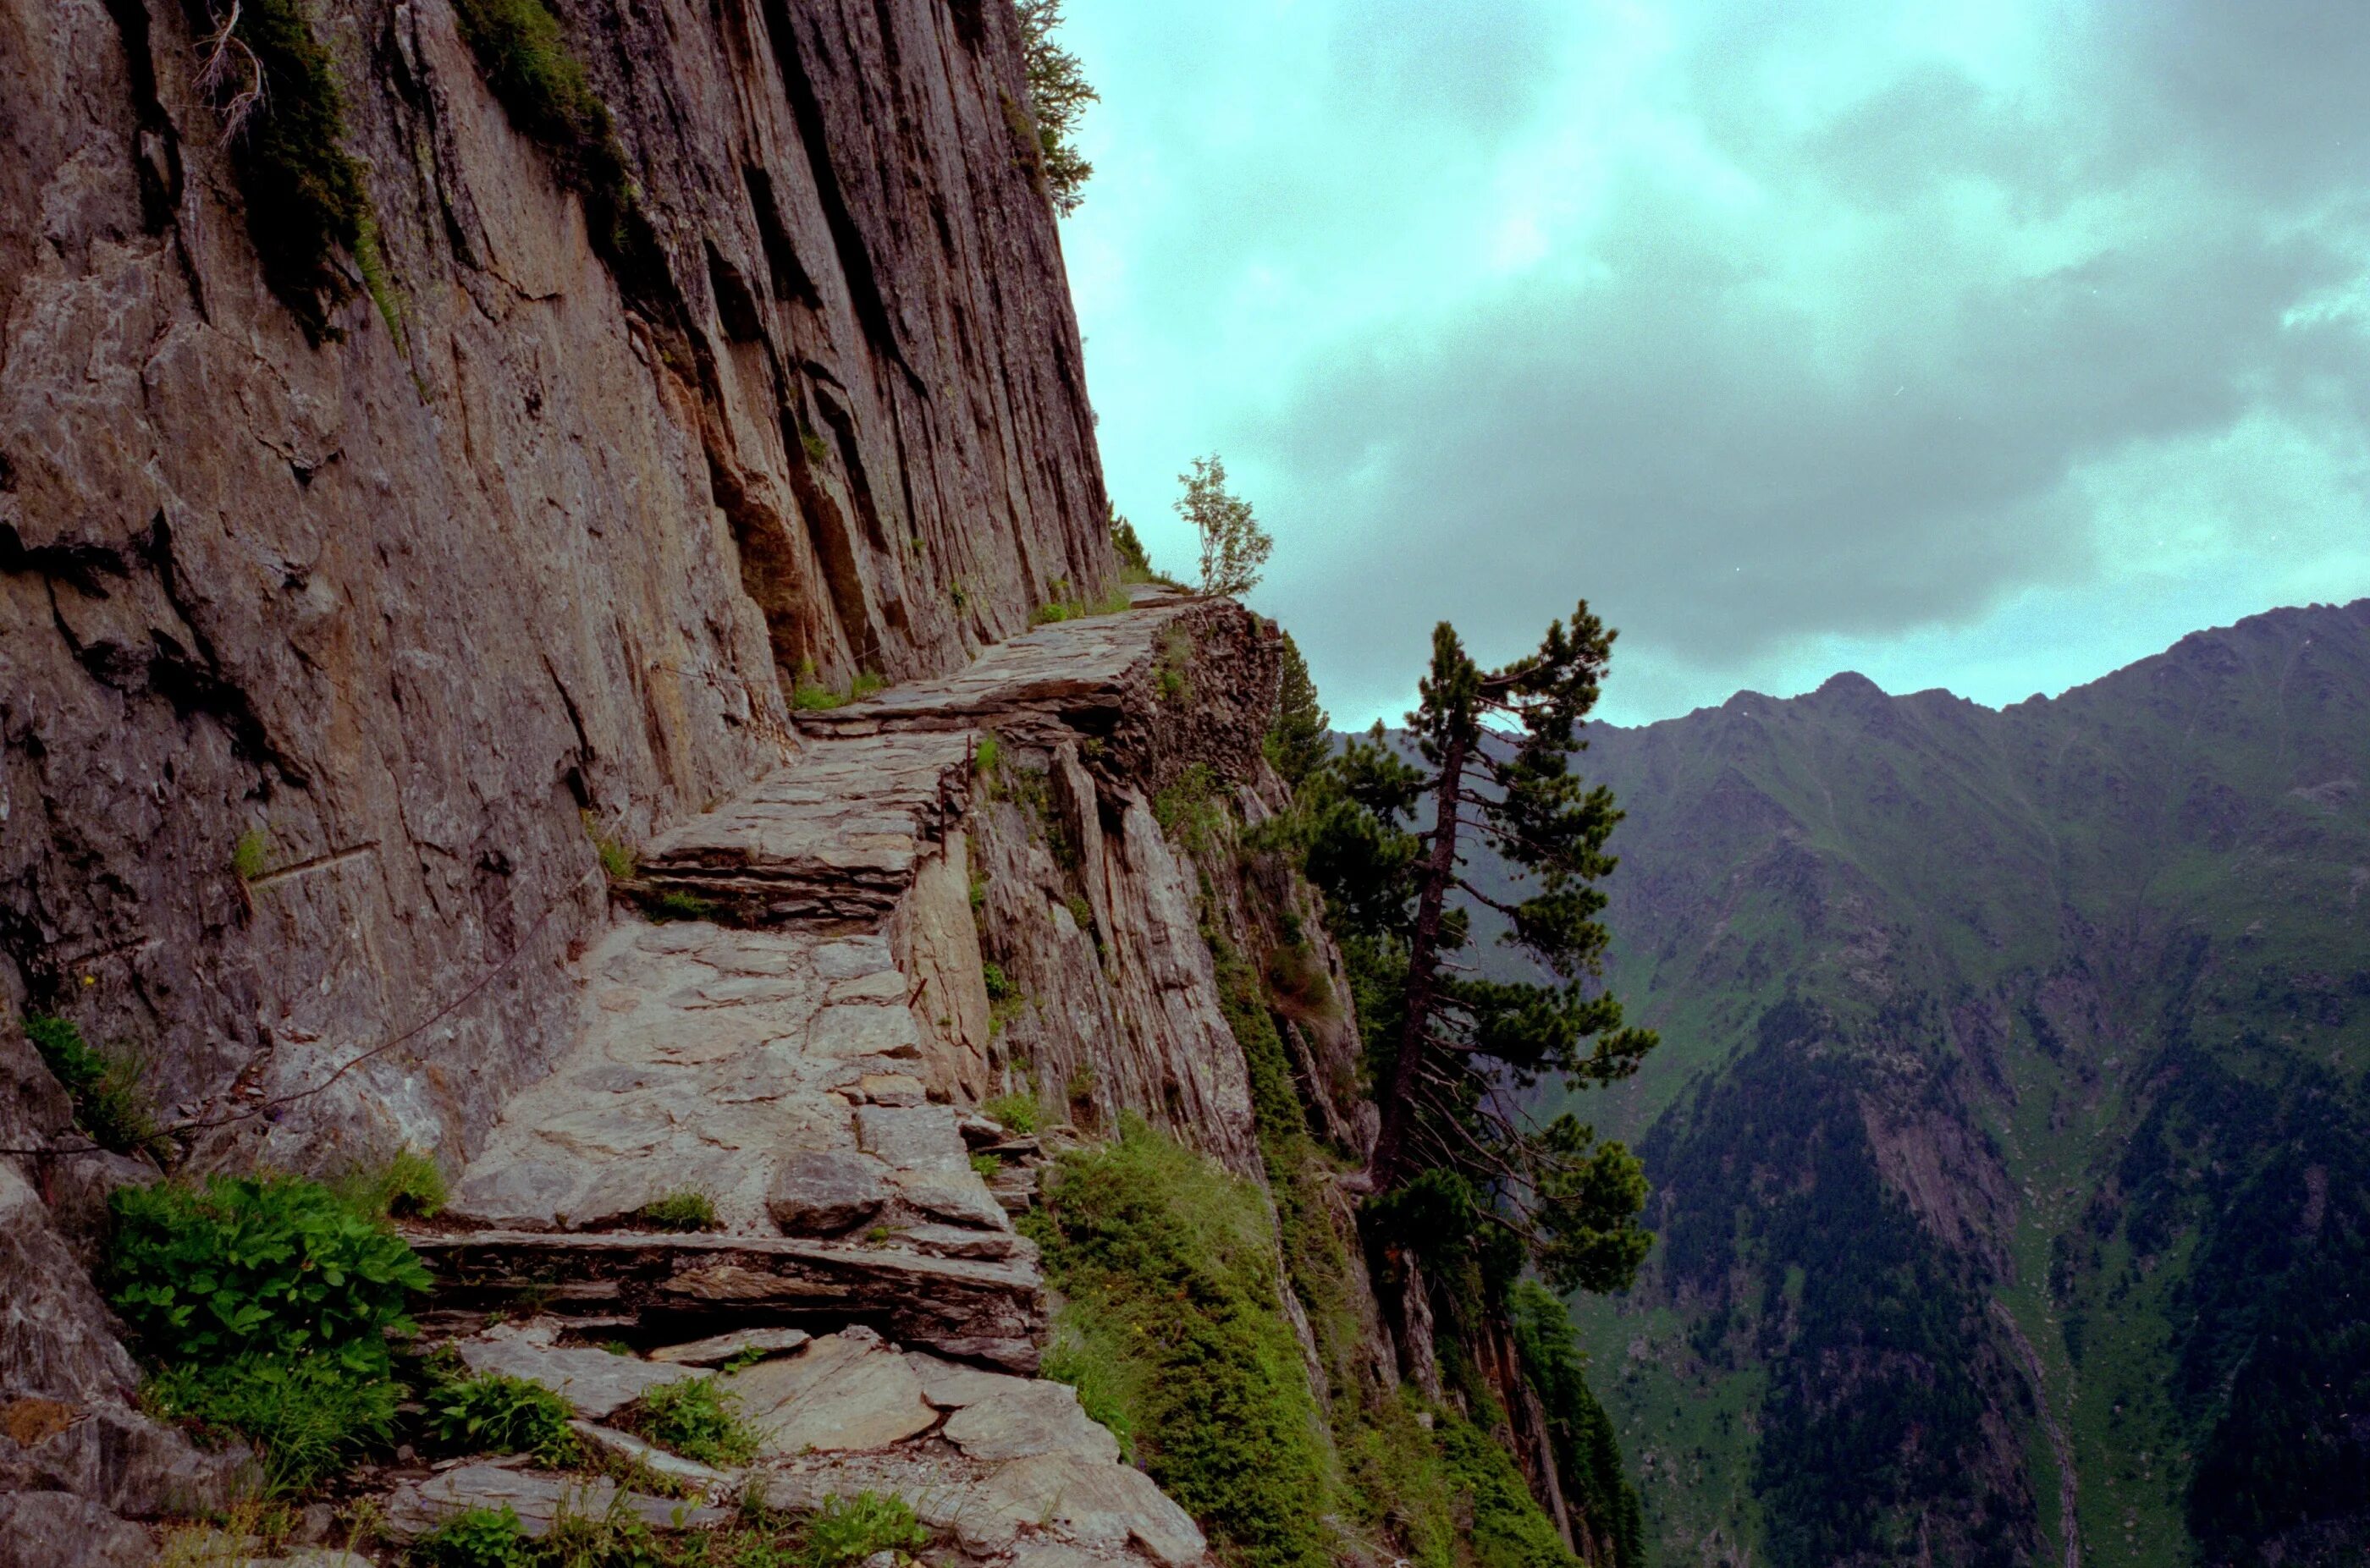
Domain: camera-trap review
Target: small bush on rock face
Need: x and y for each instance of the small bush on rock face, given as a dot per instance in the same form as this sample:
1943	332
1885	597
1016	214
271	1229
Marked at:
849	1529
695	1418
409	1186
501	1415
110	1102
308	1418
257	1265
679	1211
1013	1112
482	1538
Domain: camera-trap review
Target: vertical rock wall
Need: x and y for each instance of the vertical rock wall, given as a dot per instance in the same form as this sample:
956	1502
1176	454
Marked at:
315	660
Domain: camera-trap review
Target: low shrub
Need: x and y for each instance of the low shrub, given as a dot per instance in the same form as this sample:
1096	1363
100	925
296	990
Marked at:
308	1416
481	1538
408	1186
678	1211
1175	1320
999	986
849	1529
677	905
986	755
111	1100
493	1414
271	1266
695	1418
1014	1112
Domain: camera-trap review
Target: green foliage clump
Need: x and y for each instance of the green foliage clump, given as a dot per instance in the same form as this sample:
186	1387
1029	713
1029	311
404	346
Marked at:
987	756
111	1103
808	694
1015	1113
1167	1263
618	861
695	1418
309	1417
1508	1530
1191	810
1603	1503
1299	737
267	1266
544	87
1173	671
478	1538
999	986
275	85
1110	604
251	856
493	1414
1234	544
1493	762
677	905
849	1529
678	1211
408	1184
1058	96
268	1303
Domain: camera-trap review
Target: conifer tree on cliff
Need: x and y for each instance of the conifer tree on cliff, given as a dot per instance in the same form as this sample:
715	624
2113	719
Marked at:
1453	1051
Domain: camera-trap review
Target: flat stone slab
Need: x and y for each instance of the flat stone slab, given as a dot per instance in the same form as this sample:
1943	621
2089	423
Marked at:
703	1062
1096	1503
537	1496
844	1391
716	1349
1035	1418
950	1385
595	1383
710	1481
824	1192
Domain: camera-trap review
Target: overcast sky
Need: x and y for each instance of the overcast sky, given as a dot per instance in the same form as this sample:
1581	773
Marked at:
1987	346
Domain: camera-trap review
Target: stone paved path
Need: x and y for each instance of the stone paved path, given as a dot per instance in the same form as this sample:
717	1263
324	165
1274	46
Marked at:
771	1060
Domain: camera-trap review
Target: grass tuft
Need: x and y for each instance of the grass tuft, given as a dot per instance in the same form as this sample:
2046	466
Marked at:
497	1415
696	1418
678	1211
1015	1113
408	1185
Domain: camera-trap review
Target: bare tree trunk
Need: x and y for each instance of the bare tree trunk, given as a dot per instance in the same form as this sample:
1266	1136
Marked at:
1424	972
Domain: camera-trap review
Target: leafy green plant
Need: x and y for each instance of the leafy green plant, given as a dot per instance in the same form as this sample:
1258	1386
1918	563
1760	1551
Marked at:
1014	1112
1191	811
1058	96
1110	604
1234	545
849	1529
987	1167
678	904
695	1418
275	86
985	755
618	861
808	694
527	61
408	1184
480	1538
978	893
998	986
866	681
257	1265
1174	1326
111	1100
1172	671
678	1211
251	856
493	1414
308	1416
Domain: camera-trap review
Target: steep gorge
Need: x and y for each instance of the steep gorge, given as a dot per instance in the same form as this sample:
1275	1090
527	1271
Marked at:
424	725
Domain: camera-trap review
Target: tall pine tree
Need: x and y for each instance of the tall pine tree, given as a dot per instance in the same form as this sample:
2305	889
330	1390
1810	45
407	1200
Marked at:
1456	1053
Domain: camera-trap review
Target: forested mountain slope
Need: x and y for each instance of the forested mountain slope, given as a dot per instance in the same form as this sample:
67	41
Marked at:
2009	1132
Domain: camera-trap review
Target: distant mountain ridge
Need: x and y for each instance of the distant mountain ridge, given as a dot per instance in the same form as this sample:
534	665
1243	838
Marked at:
2010	1136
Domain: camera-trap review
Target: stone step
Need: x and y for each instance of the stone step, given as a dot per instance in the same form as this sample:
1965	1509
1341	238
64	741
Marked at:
985	1310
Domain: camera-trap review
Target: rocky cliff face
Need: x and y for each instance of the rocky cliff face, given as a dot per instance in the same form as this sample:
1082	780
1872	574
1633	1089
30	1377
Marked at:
394	609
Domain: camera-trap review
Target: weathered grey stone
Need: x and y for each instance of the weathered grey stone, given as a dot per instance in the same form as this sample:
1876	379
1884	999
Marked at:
893	1089
911	1138
716	1349
538	1496
1035	1418
962	1242
594	1383
957	1196
1096	1503
839	1392
824	1192
60	1529
950	1385
711	1481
